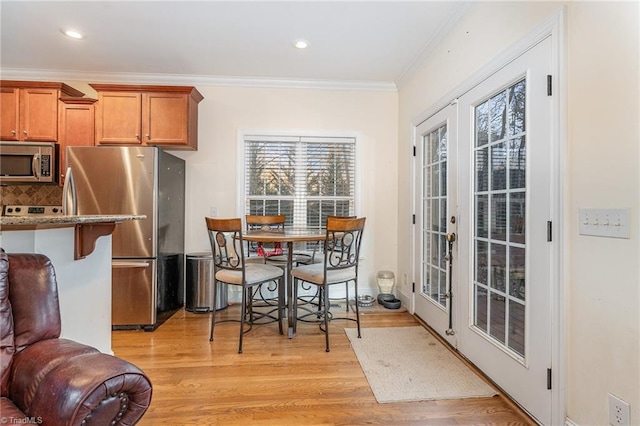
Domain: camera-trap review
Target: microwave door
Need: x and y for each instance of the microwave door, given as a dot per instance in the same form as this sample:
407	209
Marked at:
19	167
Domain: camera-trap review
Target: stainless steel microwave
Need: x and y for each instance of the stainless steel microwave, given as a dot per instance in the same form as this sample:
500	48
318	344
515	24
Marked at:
28	162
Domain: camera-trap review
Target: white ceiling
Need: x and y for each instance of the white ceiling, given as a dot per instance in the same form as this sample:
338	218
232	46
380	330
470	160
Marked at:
366	42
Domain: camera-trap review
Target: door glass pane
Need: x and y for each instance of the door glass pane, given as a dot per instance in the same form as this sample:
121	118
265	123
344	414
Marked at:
498	167
517	162
516	217
500	193
434	201
480	302
516	327
435	249
516	108
497	115
497	316
435	287
435	179
516	273
482	216
482	124
498	266
482	263
482	169
499	217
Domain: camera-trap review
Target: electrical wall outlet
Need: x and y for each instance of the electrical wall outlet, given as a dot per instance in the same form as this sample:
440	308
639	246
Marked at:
619	412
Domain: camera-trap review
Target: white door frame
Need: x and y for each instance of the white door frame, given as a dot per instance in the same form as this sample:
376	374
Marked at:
554	27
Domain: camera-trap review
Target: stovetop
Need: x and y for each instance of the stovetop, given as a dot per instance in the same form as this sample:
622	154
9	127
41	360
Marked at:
22	210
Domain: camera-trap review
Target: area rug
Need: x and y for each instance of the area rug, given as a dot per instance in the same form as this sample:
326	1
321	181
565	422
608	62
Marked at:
409	364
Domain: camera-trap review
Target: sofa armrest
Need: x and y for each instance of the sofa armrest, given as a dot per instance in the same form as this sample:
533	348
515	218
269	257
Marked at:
67	383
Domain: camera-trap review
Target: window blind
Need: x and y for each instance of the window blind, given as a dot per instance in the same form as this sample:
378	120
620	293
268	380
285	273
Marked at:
304	178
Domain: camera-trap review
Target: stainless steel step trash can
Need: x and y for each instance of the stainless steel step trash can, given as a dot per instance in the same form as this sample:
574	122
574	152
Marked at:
199	285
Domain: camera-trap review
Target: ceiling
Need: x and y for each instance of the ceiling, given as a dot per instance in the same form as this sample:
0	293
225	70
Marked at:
366	42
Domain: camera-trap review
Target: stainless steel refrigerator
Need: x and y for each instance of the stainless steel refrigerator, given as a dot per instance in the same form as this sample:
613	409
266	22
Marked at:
148	254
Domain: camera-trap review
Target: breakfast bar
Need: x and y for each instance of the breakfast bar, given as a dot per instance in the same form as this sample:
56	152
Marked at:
80	250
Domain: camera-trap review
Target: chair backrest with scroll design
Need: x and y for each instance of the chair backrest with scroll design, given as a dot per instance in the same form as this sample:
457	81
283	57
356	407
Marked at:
225	236
342	243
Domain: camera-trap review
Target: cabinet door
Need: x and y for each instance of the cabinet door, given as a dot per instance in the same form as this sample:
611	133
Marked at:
38	115
118	118
9	113
165	118
76	127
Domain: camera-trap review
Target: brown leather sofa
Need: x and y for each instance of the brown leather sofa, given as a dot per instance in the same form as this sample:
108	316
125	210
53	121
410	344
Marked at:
52	381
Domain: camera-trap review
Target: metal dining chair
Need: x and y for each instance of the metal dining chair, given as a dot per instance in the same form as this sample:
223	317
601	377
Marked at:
265	253
230	267
340	266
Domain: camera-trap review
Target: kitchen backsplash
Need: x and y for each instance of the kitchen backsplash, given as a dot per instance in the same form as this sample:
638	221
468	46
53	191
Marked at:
39	195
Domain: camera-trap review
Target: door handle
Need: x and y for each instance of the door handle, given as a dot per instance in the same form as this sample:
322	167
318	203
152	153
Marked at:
35	165
69	196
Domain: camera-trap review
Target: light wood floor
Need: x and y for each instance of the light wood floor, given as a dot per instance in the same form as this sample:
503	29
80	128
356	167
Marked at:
279	381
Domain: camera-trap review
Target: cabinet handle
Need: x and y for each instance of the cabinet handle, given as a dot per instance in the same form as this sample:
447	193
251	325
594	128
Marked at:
148	137
137	136
24	131
13	132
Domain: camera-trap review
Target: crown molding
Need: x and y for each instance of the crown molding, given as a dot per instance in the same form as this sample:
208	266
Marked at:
193	80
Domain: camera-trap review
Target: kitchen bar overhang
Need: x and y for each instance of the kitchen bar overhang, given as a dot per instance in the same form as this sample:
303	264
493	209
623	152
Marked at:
88	228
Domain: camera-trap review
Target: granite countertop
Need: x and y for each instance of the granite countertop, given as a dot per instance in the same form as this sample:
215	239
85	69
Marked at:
66	220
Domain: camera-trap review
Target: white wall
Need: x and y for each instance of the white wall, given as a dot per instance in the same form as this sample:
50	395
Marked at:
601	276
603	135
372	115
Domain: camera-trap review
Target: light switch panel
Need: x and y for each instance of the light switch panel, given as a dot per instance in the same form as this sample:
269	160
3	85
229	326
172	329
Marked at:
612	223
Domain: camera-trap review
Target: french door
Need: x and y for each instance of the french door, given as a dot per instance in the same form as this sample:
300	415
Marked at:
500	179
436	140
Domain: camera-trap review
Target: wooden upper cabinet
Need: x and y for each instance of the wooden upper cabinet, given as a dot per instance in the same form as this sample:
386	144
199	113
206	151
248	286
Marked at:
76	127
29	110
118	118
10	113
147	115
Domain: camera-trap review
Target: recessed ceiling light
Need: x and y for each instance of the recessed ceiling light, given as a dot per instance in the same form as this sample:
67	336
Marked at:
301	44
69	32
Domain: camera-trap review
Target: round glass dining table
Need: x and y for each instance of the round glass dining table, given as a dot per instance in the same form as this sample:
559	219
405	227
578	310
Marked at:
288	236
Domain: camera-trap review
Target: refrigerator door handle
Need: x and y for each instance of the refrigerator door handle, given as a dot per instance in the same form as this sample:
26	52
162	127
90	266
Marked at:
116	264
69	194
